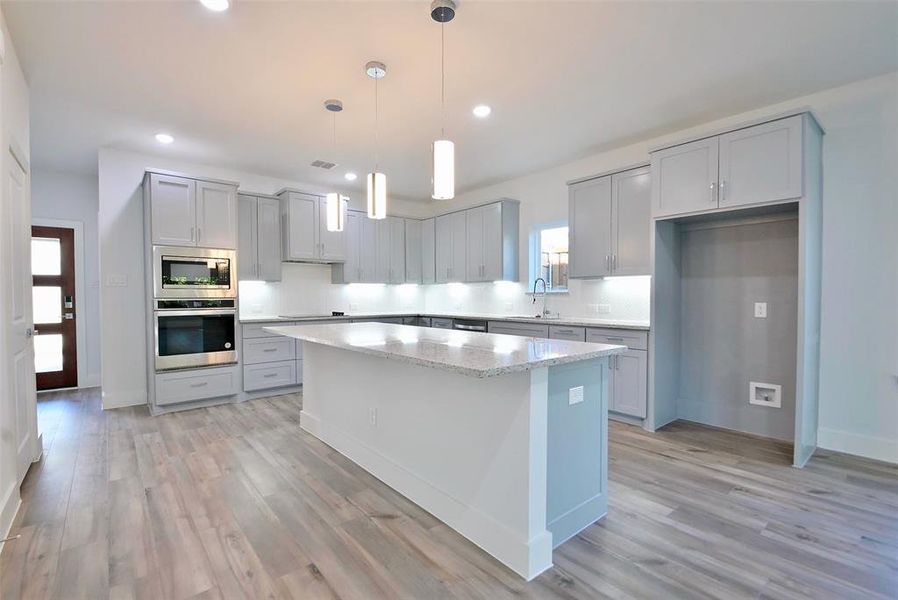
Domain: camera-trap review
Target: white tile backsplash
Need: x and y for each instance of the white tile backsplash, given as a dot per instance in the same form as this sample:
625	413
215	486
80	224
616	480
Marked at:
306	289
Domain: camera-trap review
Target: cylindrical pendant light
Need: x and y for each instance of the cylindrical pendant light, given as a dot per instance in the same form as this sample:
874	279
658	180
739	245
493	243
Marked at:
443	150
334	200
377	182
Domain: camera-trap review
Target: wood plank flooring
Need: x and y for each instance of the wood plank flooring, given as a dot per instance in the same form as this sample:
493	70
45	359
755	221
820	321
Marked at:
236	502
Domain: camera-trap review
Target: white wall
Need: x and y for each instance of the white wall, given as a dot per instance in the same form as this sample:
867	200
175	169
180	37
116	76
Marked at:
120	227
73	197
859	337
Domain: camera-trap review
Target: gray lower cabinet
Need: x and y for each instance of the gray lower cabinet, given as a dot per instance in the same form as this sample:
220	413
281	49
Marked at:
258	238
522	329
563	332
269	360
416	321
440	323
200	384
629	371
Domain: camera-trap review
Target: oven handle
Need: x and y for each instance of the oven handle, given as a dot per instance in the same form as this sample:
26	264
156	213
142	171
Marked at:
194	313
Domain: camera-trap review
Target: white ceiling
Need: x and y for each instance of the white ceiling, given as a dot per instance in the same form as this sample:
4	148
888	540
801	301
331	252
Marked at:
245	88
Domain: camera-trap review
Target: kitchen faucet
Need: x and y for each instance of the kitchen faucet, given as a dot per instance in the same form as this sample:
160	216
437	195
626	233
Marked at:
545	312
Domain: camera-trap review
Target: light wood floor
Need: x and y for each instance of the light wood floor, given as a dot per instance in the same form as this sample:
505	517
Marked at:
235	501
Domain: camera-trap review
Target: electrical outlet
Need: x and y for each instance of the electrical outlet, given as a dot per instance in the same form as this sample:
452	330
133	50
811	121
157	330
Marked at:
765	394
761	310
575	395
593	308
604	309
372	417
255	309
509	307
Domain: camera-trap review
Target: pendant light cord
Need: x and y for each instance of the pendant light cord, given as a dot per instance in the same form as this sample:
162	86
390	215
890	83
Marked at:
442	80
376	158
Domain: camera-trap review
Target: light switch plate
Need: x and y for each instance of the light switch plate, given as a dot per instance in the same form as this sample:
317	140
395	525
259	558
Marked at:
575	395
761	310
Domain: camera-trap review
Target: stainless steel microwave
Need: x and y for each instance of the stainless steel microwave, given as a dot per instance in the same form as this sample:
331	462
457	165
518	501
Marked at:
183	272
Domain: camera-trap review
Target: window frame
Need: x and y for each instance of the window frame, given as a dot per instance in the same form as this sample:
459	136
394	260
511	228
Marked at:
534	251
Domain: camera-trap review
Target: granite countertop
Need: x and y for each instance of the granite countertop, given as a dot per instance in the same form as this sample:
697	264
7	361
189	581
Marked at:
563	321
466	353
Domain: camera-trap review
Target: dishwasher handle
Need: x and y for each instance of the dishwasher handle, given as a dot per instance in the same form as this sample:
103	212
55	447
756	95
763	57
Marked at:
480	328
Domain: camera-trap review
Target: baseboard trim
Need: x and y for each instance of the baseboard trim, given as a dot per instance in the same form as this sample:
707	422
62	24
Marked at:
8	509
867	446
566	526
527	558
123	398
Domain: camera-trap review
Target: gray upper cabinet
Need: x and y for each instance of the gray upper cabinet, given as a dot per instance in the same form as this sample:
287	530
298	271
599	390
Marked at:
304	226
367	252
631	219
413	251
761	163
753	165
173	210
216	215
350	271
589	228
428	249
192	212
685	178
451	247
484	226
390	250
259	238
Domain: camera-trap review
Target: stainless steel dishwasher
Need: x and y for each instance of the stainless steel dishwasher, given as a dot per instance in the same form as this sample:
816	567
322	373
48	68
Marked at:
470	325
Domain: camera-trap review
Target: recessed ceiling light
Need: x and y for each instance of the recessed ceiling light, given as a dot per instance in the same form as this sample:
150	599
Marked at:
351	176
216	5
164	138
482	111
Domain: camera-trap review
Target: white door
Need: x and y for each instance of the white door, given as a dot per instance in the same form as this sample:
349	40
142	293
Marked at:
631	219
268	239
216	215
18	417
685	178
458	231
443	248
247	242
413	250
492	242
589	206
628	383
428	249
173	210
301	226
333	243
761	163
397	249
368	249
474	242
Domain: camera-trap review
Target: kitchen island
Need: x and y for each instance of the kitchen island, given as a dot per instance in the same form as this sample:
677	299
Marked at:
503	438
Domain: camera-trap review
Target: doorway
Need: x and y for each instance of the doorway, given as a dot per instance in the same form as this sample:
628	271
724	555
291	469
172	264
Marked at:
53	301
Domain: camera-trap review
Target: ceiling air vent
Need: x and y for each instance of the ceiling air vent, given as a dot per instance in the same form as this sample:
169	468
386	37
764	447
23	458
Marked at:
323	164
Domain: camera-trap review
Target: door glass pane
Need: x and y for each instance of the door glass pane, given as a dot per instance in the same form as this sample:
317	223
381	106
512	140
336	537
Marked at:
47	304
45	256
48	353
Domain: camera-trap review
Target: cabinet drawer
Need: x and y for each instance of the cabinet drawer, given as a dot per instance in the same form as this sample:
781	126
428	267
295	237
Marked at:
574	334
441	323
416	321
523	329
265	350
633	339
269	375
254	330
184	386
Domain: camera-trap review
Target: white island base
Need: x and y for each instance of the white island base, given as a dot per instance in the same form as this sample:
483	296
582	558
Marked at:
505	460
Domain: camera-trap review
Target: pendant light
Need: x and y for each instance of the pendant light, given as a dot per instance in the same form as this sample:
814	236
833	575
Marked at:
377	182
334	200
443	151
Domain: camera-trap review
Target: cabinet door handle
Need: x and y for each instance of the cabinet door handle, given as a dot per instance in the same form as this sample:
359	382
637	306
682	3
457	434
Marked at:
192	237
199	233
614	339
614	262
607	262
201	384
712	191
723	190
270	375
269	350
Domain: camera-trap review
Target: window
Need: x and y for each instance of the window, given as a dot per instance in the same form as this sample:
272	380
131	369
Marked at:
549	256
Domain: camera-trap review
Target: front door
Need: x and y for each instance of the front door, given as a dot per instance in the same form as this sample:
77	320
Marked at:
53	295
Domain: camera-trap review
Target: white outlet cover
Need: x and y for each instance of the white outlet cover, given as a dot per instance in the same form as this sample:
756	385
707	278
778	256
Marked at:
604	309
765	394
575	395
761	310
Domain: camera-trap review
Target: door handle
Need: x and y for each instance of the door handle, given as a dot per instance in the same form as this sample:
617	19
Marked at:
192	237
607	262
723	190
30	332
199	233
69	316
712	191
